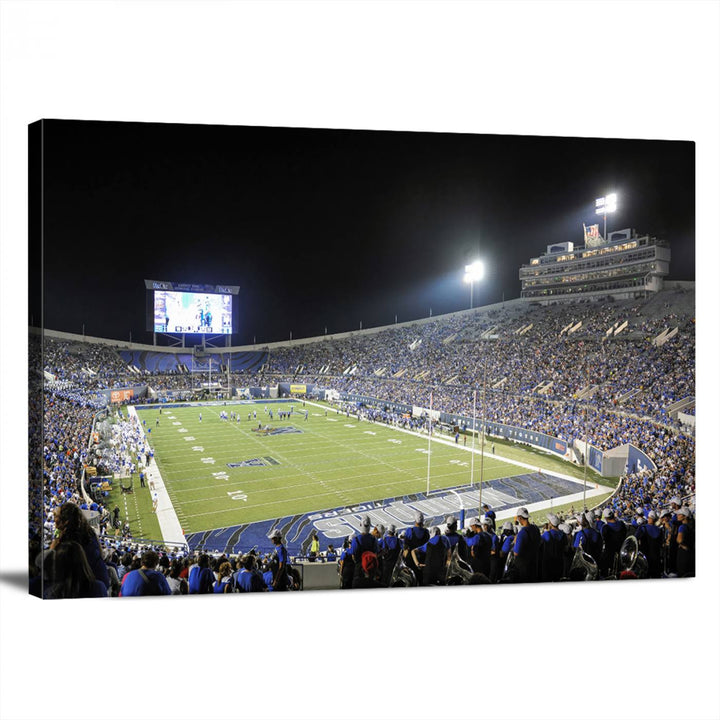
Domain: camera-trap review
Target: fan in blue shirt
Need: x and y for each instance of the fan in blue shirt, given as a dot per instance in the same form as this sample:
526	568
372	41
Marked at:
146	580
201	578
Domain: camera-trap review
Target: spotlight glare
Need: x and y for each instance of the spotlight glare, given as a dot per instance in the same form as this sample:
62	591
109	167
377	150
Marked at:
473	272
606	204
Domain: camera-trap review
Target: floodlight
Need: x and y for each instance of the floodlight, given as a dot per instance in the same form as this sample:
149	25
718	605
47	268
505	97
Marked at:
603	206
606	204
474	271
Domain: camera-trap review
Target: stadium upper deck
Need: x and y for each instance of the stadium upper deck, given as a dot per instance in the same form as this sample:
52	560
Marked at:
633	356
626	266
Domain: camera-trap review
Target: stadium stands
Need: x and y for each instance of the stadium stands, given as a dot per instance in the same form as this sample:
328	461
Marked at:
608	381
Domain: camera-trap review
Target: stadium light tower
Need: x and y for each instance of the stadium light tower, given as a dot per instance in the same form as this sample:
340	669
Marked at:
473	272
603	206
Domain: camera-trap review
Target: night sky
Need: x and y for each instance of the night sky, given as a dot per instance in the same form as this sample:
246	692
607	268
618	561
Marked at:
328	228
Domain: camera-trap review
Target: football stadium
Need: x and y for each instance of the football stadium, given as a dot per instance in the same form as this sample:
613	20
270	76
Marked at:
542	437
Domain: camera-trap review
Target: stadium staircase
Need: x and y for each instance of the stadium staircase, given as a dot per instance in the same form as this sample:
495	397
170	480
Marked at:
680	406
571	328
628	395
588	392
664	336
543	388
616	328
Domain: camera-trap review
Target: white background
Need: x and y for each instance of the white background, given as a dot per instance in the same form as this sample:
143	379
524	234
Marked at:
632	70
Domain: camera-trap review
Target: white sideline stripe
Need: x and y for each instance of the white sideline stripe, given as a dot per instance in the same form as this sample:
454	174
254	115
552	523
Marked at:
170	527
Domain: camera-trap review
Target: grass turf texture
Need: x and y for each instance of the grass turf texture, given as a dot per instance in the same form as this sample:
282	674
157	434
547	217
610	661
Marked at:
546	460
334	461
136	508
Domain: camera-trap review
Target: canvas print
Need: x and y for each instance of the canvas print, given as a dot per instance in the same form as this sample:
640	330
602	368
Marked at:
267	359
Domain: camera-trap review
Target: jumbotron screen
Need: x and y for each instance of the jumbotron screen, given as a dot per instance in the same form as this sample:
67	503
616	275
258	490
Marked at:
192	312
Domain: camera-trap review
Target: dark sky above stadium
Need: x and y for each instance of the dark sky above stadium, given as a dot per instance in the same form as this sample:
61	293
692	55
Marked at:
328	228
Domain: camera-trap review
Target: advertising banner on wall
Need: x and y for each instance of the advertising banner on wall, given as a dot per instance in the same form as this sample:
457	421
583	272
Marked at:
118	396
295	388
595	459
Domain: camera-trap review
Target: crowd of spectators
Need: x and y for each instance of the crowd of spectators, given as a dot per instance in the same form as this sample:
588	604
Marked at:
583	546
585	384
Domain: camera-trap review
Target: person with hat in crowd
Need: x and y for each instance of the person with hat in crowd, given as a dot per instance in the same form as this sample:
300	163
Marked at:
280	563
488	513
389	554
507	540
568	551
650	539
552	550
594	545
597	514
364	542
455	538
526	549
431	558
495	544
480	545
414	537
685	543
613	535
638	518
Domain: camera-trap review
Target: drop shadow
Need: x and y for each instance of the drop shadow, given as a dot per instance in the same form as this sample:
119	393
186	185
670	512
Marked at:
17	579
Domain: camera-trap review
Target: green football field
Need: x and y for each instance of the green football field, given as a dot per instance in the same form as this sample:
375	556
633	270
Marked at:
332	461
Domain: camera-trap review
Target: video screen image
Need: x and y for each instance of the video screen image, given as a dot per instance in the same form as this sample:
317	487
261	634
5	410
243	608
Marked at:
189	312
